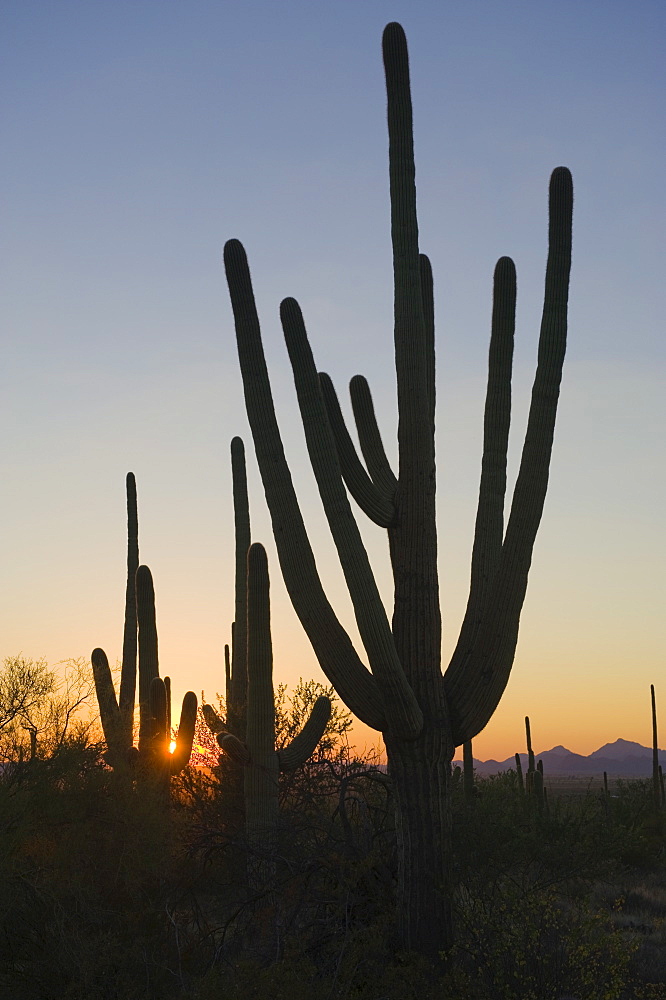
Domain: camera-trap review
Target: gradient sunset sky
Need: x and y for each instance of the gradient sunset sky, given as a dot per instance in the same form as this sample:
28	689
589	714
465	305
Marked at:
137	137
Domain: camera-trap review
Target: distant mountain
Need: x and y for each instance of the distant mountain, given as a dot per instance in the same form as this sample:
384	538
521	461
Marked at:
621	749
621	759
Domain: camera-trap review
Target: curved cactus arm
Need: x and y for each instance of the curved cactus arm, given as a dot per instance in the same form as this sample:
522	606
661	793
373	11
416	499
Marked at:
369	437
333	647
106	699
128	669
489	528
185	735
148	658
476	678
377	505
213	721
304	744
234	748
403	713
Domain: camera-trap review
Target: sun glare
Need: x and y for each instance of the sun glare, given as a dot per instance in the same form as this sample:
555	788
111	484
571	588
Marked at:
172	746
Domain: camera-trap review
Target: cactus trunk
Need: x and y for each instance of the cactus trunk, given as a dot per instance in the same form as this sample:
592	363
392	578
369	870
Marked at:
420	772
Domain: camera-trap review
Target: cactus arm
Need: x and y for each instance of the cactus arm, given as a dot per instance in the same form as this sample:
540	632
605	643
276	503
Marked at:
428	306
238	693
519	774
528	740
333	647
403	713
261	699
489	528
373	502
303	745
474	682
128	669
234	748
148	658
159	709
106	699
167	688
159	757
414	344
413	536
213	721
369	437
227	675
185	736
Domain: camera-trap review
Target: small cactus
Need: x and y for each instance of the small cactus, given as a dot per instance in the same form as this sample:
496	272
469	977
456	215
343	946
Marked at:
534	786
519	774
656	779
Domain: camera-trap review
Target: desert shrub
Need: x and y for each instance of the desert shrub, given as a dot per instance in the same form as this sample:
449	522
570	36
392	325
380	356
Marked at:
521	941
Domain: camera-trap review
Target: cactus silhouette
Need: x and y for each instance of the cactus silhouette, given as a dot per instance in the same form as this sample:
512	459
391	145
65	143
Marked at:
155	757
257	754
247	735
657	780
117	714
422	713
534	777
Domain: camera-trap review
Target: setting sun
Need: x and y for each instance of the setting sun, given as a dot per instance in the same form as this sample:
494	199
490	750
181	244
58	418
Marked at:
172	746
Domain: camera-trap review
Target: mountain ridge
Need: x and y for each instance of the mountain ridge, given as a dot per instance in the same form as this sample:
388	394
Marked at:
620	759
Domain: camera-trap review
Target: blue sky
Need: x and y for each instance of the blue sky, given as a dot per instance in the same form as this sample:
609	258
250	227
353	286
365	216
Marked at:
138	137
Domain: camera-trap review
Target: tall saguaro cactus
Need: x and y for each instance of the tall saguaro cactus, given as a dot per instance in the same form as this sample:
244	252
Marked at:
117	714
422	713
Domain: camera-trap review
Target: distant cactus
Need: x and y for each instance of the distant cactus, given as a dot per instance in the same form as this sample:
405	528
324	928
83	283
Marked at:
519	773
534	786
257	754
117	714
155	757
656	779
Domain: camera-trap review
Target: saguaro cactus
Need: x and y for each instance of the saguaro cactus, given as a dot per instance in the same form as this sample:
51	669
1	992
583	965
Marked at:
117	714
656	776
257	754
236	667
155	757
422	713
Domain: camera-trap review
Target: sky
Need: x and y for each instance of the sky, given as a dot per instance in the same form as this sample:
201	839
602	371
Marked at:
138	137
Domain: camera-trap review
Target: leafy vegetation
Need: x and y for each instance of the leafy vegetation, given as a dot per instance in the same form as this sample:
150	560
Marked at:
104	894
